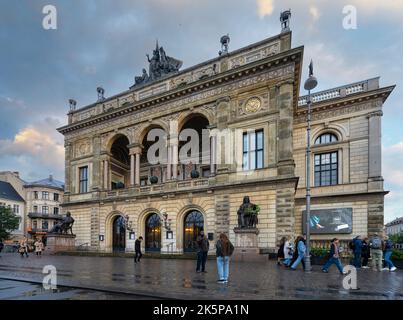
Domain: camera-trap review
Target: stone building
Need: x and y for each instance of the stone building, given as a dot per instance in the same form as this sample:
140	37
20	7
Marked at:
43	202
394	227
253	93
41	207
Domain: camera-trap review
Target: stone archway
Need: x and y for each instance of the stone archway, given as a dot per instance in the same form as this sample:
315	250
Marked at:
109	230
180	224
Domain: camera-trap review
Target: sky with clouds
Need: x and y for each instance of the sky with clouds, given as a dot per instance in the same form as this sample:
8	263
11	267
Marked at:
103	42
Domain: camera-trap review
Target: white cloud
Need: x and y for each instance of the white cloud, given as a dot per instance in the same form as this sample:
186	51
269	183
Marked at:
264	8
37	145
314	11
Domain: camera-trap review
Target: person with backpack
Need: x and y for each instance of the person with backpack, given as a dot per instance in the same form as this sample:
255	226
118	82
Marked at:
334	257
224	250
356	246
376	244
388	253
301	250
203	246
365	253
280	252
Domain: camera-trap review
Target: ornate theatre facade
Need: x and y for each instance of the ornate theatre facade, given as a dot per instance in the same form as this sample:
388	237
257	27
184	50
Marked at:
254	92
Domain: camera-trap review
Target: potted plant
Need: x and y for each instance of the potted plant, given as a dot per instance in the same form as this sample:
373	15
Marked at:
319	256
194	174
154	179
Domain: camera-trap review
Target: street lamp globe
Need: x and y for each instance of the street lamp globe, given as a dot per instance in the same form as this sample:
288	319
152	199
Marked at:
310	83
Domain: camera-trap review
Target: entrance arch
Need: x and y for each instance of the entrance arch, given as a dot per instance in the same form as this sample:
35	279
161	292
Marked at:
192	225
153	233
118	234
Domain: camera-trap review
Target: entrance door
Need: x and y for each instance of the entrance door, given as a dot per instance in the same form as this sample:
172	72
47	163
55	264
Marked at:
193	224
119	234
153	233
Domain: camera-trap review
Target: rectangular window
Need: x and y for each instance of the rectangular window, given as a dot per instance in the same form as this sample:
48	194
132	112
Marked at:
45	209
35	194
252	152
35	209
326	169
55	210
55	197
34	225
16	208
45	225
83	173
45	195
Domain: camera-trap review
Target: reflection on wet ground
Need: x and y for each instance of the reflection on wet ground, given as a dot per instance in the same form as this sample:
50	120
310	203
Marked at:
169	278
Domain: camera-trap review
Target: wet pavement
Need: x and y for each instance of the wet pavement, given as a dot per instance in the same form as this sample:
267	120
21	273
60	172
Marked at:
177	279
21	290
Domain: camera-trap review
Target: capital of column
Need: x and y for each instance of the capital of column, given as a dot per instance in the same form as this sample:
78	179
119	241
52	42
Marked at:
378	113
135	148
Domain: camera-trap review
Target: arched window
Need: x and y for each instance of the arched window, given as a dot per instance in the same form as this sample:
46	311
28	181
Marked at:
153	233
326	138
194	223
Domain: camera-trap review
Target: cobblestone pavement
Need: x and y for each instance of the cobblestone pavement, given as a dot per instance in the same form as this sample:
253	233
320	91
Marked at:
177	279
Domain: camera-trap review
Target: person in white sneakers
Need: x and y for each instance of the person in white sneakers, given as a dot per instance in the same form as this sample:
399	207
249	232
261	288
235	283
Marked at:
387	254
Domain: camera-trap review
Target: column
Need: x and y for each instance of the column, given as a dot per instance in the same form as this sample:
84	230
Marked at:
175	160
374	144
106	174
169	166
213	157
137	175
132	169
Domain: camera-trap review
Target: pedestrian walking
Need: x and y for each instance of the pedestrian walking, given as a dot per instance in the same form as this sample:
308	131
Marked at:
1	246
356	246
203	246
137	249
38	247
23	248
280	252
365	253
376	245
224	250
334	257
301	250
388	253
288	252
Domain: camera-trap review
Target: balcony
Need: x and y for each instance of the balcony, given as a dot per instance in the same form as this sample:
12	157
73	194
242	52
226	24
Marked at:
41	215
37	231
169	186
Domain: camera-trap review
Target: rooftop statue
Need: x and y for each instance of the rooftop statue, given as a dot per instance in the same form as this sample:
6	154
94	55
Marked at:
159	65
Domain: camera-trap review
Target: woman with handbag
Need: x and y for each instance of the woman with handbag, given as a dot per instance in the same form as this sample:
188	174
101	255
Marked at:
23	249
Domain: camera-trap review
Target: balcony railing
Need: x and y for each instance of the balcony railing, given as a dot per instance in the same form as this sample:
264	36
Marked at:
342	91
161	187
44	215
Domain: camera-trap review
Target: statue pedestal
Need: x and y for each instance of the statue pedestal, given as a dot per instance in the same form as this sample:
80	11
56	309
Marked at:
56	242
246	245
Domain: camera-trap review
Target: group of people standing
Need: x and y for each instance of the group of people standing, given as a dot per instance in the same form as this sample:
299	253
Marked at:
292	254
23	248
377	248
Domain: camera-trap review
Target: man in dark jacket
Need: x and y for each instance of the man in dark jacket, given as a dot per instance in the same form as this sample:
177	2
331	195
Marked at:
365	253
137	249
357	249
203	246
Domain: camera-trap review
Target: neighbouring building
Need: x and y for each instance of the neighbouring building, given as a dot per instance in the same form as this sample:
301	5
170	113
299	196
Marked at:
115	194
394	227
43	200
10	198
41	203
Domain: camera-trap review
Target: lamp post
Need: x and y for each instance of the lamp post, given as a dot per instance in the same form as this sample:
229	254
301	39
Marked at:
310	84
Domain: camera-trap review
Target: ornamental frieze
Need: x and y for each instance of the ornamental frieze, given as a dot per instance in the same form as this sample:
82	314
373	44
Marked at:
177	106
339	111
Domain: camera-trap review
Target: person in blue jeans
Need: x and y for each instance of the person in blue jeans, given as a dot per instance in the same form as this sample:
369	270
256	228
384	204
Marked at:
301	249
224	250
357	249
388	253
334	257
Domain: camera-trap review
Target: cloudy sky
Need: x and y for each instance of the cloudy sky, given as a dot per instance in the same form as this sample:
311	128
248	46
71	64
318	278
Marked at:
103	42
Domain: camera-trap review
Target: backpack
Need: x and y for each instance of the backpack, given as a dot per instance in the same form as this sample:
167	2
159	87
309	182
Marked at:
351	245
376	243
